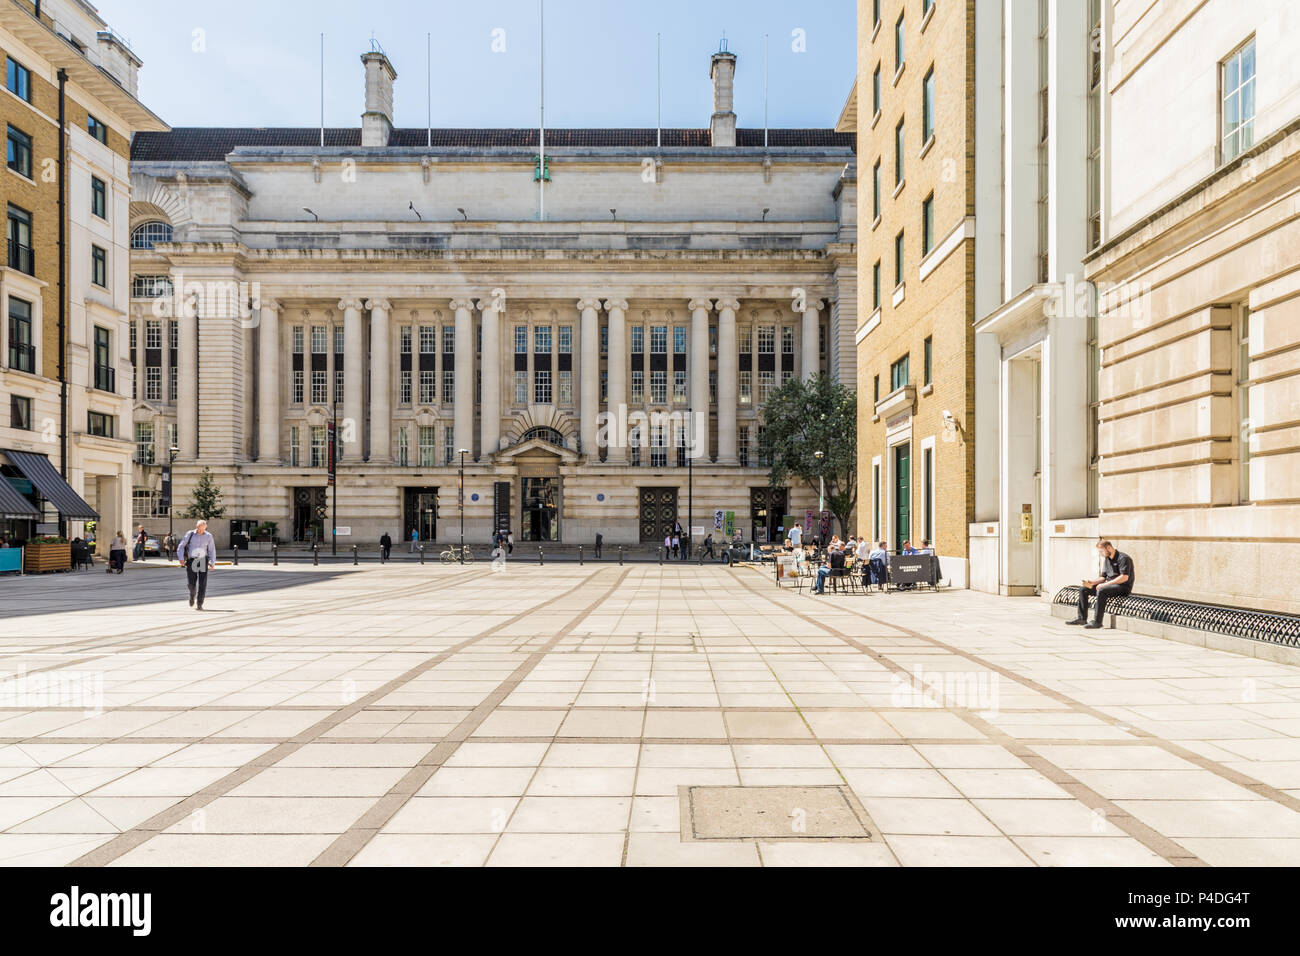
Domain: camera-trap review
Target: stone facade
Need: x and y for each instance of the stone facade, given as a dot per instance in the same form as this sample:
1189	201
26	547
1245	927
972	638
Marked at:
416	296
1199	281
101	79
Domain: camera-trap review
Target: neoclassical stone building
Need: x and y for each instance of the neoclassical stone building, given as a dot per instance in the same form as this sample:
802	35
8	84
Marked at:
597	332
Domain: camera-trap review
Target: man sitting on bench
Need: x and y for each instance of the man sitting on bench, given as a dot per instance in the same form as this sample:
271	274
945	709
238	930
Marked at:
1116	580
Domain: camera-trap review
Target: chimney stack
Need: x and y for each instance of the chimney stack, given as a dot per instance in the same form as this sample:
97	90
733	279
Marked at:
722	71
377	120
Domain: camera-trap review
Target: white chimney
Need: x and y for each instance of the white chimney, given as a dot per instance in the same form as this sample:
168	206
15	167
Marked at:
723	73
377	120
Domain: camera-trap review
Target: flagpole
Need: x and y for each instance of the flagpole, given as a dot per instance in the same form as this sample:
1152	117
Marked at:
428	83
541	129
659	92
765	91
322	91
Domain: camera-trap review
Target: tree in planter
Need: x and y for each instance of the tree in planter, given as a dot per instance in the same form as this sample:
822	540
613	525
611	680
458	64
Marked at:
803	418
205	499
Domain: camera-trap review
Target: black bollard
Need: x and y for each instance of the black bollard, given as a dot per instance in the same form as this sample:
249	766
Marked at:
620	555
661	555
541	558
315	554
579	555
235	556
354	555
275	555
422	554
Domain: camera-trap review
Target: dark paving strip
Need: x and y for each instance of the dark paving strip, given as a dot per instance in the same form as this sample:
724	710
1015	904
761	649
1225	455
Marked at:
349	843
130	839
1153	840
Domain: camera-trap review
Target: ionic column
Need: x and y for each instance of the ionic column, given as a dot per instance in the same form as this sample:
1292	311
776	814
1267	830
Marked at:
349	437
616	452
269	410
810	350
728	379
187	386
589	381
381	382
463	420
490	404
698	374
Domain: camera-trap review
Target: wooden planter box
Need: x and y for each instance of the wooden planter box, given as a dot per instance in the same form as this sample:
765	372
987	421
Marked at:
47	557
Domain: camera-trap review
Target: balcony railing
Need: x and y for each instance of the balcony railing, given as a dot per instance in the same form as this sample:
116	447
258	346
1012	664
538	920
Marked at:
22	358
105	378
21	257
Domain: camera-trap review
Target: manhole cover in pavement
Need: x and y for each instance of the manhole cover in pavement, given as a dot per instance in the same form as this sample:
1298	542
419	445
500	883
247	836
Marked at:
772	813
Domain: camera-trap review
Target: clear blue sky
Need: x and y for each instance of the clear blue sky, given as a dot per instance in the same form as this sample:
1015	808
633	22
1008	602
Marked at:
259	62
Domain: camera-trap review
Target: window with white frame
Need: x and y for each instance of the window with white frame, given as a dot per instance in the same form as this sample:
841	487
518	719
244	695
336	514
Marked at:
766	339
319	339
542	340
319	446
295	446
319	387
638	387
542	387
659	339
1237	80
428	387
565	344
403	447
679	386
659	388
152	383
404	340
404	388
449	445
521	388
565	388
144	447
766	382
297	386
448	385
427	446
746	388
428	339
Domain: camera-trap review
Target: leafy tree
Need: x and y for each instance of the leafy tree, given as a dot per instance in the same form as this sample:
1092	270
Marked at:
803	418
205	499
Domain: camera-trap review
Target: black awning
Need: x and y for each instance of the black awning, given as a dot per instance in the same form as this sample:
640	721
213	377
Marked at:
13	505
50	484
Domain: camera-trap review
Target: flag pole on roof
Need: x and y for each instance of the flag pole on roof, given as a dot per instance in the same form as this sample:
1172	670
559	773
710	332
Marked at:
428	83
659	92
541	128
322	91
765	91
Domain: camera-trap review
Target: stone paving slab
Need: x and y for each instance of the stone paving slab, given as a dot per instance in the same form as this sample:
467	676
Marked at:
444	716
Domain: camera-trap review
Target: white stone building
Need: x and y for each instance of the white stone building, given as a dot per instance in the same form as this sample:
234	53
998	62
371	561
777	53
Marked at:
406	285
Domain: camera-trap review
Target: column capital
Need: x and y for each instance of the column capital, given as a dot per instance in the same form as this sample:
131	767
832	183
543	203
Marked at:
351	304
459	304
705	304
488	303
810	305
585	304
380	305
270	305
728	304
616	304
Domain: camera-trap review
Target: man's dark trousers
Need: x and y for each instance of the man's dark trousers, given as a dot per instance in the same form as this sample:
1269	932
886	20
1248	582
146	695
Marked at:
1102	592
199	580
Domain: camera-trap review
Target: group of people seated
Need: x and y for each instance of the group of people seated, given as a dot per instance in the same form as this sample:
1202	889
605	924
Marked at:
857	555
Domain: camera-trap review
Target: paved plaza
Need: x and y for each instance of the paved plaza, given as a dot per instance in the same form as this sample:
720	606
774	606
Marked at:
605	715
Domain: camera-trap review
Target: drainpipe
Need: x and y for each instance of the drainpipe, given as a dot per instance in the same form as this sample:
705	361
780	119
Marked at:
63	279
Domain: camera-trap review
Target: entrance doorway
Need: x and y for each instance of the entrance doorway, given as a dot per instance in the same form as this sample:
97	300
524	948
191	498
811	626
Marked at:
309	512
420	513
767	508
902	494
658	512
540	509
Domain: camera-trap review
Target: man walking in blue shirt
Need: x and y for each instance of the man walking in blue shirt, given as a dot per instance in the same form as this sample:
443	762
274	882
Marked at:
198	553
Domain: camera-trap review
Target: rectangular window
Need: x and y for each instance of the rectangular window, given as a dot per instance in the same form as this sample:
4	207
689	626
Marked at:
20	152
713	388
927	225
766	339
541	387
929	361
542	340
766	382
1094	124
18	79
875	388
787	340
521	340
174	337
404	340
144	450
173	381
638	338
297	339
449	446
96	129
152	383
565	388
900	145
319	447
875	91
713	341
100	425
295	446
22	350
427	446
403	447
898	260
900	48
898	374
604	340
428	339
746	388
448	385
428	387
339	340
604	385
927	107
742	446
927	493
449	340
151	287
20	413
99	267
659	339
297	386
679	339
659	388
679	387
338	386
565	341
875	285
319	388
105	369
787	376
152	334
638	386
98	197
521	388
404	388
744	339
876	183
1237	80
319	339
20	241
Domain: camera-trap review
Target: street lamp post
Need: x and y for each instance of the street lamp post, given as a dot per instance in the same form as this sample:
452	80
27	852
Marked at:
460	494
821	488
172	452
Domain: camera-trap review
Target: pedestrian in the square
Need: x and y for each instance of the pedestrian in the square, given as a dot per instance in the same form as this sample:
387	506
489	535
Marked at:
197	553
386	545
510	542
415	539
600	539
141	537
117	553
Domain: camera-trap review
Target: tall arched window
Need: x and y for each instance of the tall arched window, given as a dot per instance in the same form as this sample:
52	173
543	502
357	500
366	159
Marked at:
145	235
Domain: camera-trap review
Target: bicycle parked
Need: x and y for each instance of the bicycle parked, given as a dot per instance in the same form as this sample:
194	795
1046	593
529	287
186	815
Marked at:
457	555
